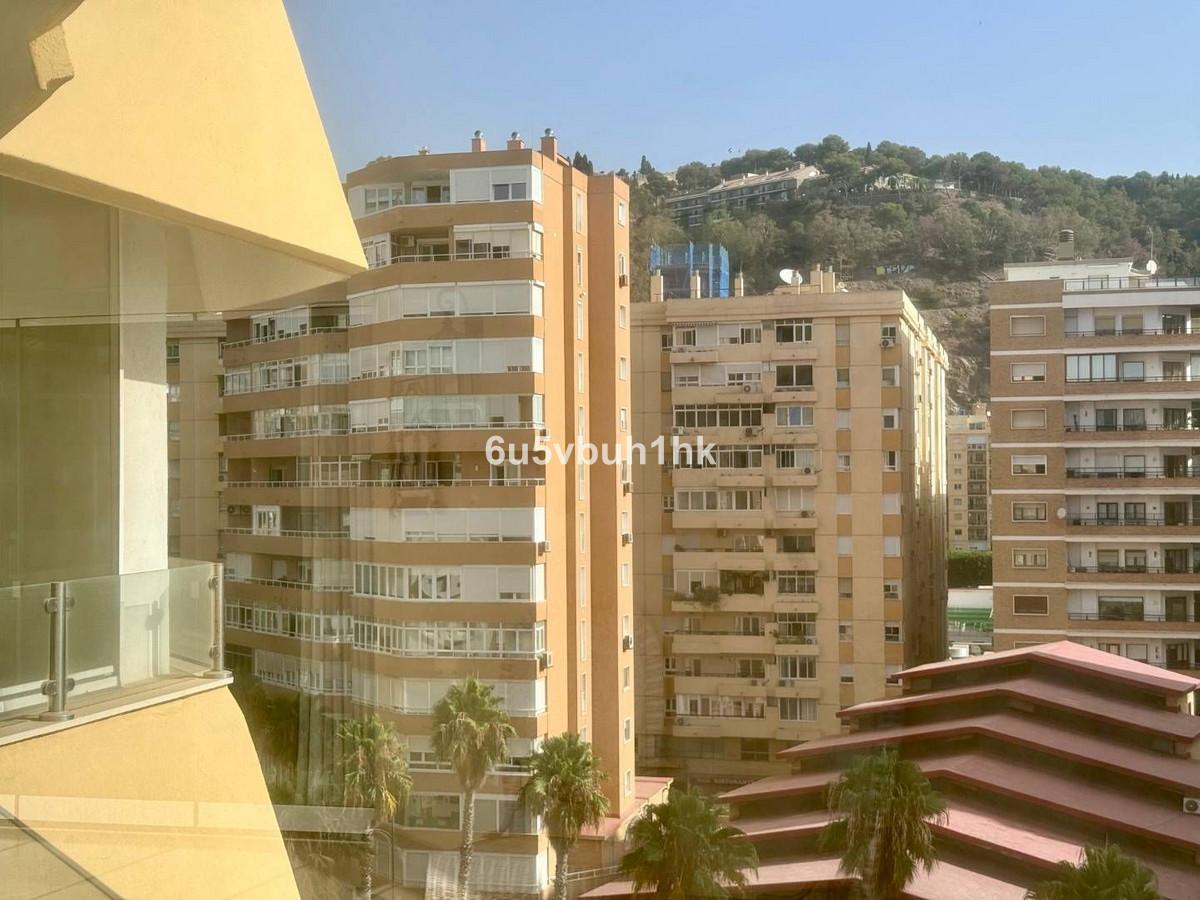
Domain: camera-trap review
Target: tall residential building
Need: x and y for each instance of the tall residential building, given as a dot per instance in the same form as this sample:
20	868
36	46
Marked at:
377	556
1094	466
792	572
141	181
968	469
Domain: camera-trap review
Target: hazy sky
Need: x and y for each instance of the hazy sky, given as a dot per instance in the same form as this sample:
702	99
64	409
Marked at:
1103	86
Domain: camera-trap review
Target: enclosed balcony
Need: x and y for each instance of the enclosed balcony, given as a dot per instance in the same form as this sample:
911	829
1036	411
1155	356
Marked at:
1130	418
1132	372
458	243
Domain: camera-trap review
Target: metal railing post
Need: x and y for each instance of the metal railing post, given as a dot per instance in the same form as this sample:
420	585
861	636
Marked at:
59	683
216	584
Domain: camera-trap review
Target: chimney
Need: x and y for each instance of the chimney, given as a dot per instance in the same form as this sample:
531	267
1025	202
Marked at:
550	144
739	285
1066	244
694	291
515	142
478	145
658	288
423	150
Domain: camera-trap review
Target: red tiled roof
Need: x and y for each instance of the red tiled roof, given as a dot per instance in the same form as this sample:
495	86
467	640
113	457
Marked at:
1070	655
1045	692
1121	811
945	882
1170	771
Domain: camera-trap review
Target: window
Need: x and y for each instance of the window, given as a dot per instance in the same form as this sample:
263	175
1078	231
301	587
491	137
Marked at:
797	709
1029	558
891	419
1028	464
794	377
891	590
1029	512
846	674
628	730
1031	605
623	419
583	692
1027	418
888	333
626	574
842	378
841	333
1027	326
793	331
621	212
845	546
1092	367
623	316
891	632
626	678
842	420
628	784
845	631
579	266
845	504
579	370
891	545
845	588
755	750
1027	372
794	416
890	376
891	460
795	667
843	462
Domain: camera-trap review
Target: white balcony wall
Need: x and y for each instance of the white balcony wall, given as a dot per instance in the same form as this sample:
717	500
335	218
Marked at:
414	301
448	524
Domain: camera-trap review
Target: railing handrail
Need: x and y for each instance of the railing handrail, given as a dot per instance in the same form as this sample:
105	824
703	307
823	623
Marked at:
1144	617
1133	570
1127	282
307	382
1128	332
1129	379
284	336
1123	427
299	432
1103	472
450	256
288	532
452	426
395	483
1126	521
284	582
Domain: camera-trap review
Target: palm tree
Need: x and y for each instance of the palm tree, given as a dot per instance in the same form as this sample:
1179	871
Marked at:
376	776
566	788
1103	873
882	806
470	732
681	849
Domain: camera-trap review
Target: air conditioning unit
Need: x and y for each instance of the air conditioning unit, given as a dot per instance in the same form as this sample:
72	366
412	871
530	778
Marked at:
626	487
888	342
747	388
1191	806
680	721
677	430
807	470
543	547
627	642
544	433
623	281
807	513
545	660
626	539
749	432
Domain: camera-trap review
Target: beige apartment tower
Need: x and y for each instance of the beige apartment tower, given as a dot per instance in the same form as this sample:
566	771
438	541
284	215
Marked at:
377	555
1095	467
967	479
790	574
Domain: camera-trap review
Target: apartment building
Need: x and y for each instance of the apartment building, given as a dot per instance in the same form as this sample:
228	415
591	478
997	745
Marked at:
194	375
792	572
1096	497
968	470
134	195
375	553
744	192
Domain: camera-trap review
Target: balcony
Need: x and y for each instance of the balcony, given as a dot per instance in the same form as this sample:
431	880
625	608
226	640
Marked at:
1110	473
379	260
1114	526
707	642
1128	283
130	637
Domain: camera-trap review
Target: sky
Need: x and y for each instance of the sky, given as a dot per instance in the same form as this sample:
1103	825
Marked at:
1100	86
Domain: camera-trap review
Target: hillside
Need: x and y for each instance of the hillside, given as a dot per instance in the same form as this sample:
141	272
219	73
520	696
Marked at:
862	215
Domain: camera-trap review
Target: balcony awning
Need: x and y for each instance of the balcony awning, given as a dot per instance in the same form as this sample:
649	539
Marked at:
201	119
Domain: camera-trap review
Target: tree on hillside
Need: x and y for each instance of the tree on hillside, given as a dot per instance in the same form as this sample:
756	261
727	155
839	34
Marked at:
881	807
1103	873
697	176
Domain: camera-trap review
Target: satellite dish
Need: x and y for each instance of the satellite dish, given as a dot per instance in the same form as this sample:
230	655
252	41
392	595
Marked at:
1151	266
1061	512
790	276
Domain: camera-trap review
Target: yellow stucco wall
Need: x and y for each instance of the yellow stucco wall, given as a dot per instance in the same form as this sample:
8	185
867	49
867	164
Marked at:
194	111
167	801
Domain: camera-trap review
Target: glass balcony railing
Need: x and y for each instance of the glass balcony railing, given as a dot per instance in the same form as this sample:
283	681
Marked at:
98	637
